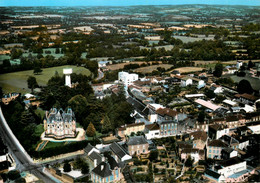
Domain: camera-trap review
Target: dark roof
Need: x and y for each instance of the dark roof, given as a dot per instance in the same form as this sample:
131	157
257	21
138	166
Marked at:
137	140
88	148
94	155
166	112
60	115
112	162
4	165
229	140
212	173
118	149
153	126
216	127
217	143
105	171
228	150
231	161
192	150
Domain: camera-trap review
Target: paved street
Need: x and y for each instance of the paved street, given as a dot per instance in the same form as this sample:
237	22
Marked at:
23	160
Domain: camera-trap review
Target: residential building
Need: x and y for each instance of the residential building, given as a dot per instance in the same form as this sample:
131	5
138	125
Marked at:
119	153
199	139
152	131
137	145
107	171
130	128
228	153
185	81
195	154
60	124
214	149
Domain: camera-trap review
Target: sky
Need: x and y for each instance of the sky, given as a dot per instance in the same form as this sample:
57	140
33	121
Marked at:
123	2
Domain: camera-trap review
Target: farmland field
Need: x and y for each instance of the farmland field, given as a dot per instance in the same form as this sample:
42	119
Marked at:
188	69
121	65
150	69
17	81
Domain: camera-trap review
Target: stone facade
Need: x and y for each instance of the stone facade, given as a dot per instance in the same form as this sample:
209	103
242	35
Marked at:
60	124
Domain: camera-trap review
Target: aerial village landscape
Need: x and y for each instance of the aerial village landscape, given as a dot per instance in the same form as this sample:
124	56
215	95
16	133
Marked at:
158	93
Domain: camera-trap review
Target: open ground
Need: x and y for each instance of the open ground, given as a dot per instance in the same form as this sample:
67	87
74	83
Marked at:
151	68
121	65
17	81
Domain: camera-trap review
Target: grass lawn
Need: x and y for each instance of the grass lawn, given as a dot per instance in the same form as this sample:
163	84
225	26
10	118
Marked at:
39	130
54	144
40	112
17	81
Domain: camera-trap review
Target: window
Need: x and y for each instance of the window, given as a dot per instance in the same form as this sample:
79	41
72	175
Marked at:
210	151
194	145
213	151
116	173
107	179
217	151
209	155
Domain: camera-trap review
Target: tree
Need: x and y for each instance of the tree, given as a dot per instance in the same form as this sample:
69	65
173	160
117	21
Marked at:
250	65
210	93
1	92
67	167
32	83
91	131
244	87
218	70
79	105
257	105
37	70
201	117
57	51
153	155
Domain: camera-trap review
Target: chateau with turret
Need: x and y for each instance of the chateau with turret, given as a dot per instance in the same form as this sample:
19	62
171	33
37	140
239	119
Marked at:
60	124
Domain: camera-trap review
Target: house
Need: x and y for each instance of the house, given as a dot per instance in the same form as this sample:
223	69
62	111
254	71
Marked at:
254	127
216	88
60	124
185	81
228	153
198	82
163	114
137	145
199	139
230	141
119	153
168	128
195	154
214	149
130	128
107	171
215	131
246	98
93	155
152	131
102	64
7	98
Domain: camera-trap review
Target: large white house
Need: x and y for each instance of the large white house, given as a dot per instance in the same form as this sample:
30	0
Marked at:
127	78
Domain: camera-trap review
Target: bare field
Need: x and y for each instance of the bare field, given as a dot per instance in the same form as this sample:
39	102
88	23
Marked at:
188	69
150	69
121	65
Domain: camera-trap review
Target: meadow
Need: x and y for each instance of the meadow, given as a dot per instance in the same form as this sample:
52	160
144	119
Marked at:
17	81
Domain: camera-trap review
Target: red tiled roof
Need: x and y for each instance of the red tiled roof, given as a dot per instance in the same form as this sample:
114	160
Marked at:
166	111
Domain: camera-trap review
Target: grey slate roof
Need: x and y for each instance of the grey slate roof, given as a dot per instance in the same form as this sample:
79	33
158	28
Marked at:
94	155
118	150
105	172
137	140
88	148
60	115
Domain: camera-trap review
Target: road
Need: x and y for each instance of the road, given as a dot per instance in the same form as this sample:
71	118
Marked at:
23	160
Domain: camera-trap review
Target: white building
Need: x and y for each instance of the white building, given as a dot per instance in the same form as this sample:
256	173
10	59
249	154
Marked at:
185	81
239	64
152	131
127	78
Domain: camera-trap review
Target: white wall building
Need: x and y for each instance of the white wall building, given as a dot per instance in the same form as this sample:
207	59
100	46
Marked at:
127	78
186	81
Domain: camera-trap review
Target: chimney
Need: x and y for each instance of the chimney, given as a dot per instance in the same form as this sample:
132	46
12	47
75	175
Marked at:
103	159
95	162
102	167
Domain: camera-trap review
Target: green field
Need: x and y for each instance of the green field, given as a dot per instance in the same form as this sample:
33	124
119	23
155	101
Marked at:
17	81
